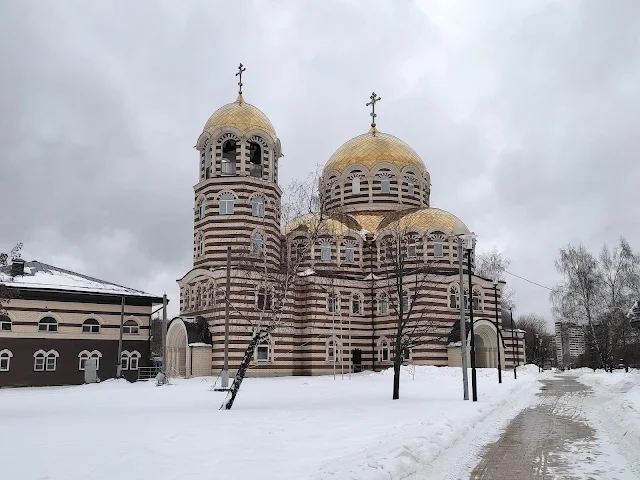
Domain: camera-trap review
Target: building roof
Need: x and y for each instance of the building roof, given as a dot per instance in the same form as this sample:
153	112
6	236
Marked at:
425	219
240	115
372	148
41	276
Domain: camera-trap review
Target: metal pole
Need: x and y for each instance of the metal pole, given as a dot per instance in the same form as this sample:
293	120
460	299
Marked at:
513	345
224	375
164	334
474	386
333	330
495	292
119	368
463	326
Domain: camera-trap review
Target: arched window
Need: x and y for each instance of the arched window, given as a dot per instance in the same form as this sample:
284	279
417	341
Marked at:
256	243
200	244
255	157
410	188
130	327
5	360
200	209
355	185
349	252
45	361
264	299
406	354
333	303
356	304
325	251
477	300
257	206
229	157
91	325
437	248
207	159
383	350
187	298
5	323
335	191
198	297
227	201
333	351
86	355
129	360
383	305
263	351
385	184
412	250
453	297
48	324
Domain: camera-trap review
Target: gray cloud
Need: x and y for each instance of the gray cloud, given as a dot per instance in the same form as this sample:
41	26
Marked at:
525	113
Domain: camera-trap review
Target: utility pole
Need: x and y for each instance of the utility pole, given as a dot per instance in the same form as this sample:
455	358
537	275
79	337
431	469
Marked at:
474	386
225	369
495	293
463	326
119	368
513	345
164	335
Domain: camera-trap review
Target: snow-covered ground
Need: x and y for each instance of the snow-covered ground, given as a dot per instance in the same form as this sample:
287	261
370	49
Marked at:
281	428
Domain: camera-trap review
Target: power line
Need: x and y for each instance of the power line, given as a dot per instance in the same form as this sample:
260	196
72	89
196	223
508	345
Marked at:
527	280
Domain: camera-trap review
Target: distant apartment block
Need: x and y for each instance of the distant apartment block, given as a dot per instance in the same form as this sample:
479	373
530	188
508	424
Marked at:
569	343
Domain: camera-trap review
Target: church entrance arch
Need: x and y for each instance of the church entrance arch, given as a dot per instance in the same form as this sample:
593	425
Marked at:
177	349
486	344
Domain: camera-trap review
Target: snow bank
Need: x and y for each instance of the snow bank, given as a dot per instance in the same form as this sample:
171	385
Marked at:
284	428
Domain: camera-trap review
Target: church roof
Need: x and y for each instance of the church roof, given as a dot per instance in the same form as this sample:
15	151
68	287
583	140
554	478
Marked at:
240	115
372	148
425	219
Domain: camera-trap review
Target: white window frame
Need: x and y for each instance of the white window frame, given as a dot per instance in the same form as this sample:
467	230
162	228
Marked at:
326	251
124	360
260	347
134	360
356	298
333	302
85	355
349	253
477	294
91	326
5	356
383	305
333	343
267	299
412	250
385	184
355	185
48	361
257	243
438	248
455	293
227	203
257	206
48	325
5	320
384	347
200	209
406	302
127	329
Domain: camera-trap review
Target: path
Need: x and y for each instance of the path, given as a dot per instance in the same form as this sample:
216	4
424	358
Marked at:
554	440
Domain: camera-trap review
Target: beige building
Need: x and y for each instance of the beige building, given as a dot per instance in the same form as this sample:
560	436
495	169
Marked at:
341	313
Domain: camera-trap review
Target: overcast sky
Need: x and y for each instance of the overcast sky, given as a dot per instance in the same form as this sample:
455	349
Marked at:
527	115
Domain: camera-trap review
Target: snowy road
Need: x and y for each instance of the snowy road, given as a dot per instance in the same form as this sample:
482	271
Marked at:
572	431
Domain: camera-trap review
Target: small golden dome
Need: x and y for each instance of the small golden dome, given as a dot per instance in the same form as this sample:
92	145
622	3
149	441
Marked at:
372	148
337	226
241	115
425	219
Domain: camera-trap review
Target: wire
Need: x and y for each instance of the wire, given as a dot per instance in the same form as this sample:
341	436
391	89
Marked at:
530	281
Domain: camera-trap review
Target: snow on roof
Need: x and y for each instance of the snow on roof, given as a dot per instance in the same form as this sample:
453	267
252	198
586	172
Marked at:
306	273
38	275
372	276
200	344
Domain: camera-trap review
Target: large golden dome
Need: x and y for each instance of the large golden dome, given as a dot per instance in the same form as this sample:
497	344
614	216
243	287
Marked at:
241	115
372	148
425	219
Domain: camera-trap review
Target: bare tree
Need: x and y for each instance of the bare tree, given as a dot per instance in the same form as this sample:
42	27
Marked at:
493	265
406	282
533	325
6	276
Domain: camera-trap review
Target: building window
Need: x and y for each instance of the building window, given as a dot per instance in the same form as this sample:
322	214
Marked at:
333	303
385	184
265	299
227	201
255	157
325	252
48	324
412	250
130	327
477	300
5	323
5	360
45	361
129	360
383	351
187	298
257	206
256	243
355	185
262	351
200	244
405	302
91	325
383	305
332	351
406	354
356	306
86	355
453	297
410	189
437	248
200	209
349	253
229	157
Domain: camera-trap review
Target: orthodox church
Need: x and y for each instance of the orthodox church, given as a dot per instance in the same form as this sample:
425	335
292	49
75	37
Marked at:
341	315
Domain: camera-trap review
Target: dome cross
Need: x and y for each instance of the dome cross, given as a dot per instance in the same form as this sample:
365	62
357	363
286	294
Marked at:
374	98
239	74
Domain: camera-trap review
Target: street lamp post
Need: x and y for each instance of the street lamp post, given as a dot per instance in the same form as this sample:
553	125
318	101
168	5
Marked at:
459	233
495	295
513	344
469	241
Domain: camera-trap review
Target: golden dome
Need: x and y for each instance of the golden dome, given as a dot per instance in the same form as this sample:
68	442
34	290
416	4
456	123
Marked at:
241	115
337	226
372	148
425	219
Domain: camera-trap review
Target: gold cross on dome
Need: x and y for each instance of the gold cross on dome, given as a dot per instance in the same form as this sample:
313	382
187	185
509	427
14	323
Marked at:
239	74
374	98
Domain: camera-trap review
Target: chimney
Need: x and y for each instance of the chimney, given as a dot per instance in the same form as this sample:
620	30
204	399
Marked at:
17	267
